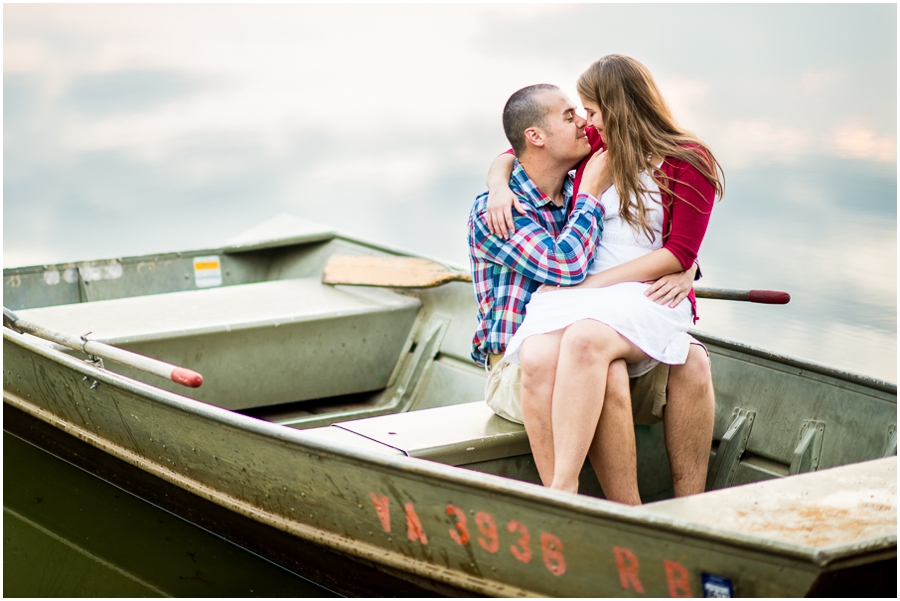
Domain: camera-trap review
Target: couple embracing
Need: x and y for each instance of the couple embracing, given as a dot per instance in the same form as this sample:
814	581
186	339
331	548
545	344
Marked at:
585	290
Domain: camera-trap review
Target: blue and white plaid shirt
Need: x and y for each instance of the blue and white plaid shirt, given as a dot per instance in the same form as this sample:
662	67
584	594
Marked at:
545	248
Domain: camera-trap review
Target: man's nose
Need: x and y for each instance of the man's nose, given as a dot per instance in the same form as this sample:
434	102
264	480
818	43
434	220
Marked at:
580	121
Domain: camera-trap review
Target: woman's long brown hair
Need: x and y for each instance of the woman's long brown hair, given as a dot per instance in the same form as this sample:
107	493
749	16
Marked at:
637	123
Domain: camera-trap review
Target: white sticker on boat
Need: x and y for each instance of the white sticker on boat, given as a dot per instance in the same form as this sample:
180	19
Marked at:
716	587
51	277
71	275
207	271
92	273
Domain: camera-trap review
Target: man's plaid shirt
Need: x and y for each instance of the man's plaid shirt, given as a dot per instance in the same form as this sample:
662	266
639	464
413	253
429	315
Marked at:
546	248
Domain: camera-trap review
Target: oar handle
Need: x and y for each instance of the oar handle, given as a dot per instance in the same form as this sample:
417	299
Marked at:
766	297
179	375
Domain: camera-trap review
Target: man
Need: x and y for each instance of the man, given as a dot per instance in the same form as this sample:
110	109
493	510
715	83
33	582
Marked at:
554	245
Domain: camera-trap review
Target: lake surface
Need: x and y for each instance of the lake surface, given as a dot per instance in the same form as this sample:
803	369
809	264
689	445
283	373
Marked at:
139	128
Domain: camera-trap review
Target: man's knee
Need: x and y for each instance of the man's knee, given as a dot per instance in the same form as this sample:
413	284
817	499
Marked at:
694	374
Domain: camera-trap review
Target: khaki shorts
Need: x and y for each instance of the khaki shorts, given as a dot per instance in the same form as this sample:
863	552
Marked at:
648	395
501	390
648	392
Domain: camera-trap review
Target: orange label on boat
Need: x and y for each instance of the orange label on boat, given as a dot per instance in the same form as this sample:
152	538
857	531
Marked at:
207	271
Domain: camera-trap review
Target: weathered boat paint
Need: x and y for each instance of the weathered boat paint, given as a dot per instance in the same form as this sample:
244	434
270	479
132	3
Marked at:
67	533
382	508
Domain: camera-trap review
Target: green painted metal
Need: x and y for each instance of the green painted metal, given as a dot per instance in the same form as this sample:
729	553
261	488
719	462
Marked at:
42	286
281	231
467	433
293	339
785	394
69	534
484	527
325	494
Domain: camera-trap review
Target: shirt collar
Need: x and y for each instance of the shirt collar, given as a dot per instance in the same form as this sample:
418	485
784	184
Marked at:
523	185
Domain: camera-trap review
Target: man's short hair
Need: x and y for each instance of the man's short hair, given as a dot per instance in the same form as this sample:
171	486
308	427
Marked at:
524	110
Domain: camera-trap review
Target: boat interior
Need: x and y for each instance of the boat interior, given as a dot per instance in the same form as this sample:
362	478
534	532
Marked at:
388	371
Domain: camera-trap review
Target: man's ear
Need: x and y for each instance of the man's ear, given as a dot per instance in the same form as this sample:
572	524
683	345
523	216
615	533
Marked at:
534	136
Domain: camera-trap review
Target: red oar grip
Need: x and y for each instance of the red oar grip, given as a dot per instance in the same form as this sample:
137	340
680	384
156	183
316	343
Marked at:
769	297
186	377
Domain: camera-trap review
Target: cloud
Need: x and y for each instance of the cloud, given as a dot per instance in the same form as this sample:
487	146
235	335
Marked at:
743	144
130	92
863	143
820	81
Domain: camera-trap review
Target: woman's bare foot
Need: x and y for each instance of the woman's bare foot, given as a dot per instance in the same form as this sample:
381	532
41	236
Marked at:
571	487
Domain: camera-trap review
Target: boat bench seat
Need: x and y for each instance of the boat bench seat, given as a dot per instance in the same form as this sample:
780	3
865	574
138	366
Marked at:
255	344
453	435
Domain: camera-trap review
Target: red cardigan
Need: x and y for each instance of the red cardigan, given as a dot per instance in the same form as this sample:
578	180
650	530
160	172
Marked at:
685	216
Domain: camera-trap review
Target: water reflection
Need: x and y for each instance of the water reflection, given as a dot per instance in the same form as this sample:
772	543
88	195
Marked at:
136	128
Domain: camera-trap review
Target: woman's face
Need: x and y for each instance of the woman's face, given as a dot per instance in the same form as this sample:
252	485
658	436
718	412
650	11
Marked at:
593	114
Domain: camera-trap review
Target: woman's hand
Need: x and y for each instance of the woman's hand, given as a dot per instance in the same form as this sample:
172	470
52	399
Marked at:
596	178
499	217
553	287
547	288
673	288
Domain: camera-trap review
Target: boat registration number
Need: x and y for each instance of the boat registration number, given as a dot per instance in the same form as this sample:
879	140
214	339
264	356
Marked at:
486	530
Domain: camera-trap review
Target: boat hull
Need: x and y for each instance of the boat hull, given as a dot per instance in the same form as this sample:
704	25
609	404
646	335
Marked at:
453	527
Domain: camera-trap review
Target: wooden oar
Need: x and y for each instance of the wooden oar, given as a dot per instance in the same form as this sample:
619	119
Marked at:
392	272
408	272
766	297
180	375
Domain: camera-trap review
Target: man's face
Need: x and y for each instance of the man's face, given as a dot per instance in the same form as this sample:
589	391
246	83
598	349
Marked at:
564	137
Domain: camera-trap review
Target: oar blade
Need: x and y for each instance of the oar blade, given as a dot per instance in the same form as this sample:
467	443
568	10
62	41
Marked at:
389	272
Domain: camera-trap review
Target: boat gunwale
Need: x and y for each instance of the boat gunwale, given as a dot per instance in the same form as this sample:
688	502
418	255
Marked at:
798	362
244	324
560	503
225	249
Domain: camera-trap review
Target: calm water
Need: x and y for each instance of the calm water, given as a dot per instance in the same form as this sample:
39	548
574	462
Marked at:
132	129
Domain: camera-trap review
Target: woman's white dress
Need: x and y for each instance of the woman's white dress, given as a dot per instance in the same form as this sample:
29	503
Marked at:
659	331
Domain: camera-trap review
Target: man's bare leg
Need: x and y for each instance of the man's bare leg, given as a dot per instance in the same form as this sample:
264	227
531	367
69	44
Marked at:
689	417
612	452
539	356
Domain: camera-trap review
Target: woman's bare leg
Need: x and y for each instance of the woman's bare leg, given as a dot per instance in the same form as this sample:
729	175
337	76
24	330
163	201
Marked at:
585	352
539	356
612	452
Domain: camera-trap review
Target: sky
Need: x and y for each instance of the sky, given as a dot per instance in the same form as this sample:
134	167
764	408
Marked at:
131	129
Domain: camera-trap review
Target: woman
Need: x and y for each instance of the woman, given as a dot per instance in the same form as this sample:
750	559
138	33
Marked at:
665	181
